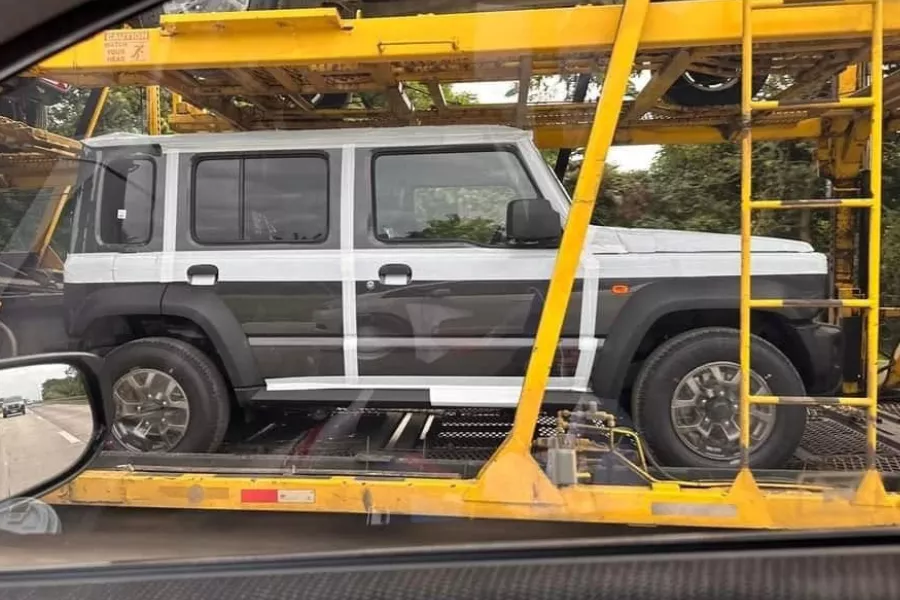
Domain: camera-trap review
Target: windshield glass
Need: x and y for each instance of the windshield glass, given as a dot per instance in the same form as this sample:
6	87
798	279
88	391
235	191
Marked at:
318	250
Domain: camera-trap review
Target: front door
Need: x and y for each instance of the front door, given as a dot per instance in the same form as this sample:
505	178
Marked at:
443	300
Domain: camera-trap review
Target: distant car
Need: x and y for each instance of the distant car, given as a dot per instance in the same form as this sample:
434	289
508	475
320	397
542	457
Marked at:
12	408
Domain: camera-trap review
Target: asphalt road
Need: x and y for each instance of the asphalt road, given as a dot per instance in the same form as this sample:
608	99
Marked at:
43	442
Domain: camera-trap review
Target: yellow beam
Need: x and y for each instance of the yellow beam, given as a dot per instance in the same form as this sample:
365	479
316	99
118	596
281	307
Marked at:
280	38
575	135
660	503
682	134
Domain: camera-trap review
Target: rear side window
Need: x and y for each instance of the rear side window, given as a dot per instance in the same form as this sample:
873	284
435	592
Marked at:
261	199
126	204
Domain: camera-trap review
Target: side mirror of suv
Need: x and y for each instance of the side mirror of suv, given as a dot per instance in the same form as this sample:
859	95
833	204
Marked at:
51	421
532	220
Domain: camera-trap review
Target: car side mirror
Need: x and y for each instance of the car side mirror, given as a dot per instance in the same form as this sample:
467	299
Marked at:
532	220
51	421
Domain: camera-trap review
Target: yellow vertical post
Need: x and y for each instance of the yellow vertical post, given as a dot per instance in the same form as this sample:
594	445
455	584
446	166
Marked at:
874	291
98	111
54	211
606	118
153	110
746	226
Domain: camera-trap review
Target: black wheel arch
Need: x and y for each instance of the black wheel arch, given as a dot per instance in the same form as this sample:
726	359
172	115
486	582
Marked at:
200	306
653	303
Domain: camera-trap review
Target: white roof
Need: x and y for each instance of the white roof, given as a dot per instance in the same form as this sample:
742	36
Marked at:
319	138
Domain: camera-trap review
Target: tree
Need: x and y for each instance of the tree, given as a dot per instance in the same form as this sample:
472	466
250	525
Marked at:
60	388
418	94
124	111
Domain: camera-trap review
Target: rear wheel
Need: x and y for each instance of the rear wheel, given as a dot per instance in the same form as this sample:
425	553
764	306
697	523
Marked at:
166	396
686	399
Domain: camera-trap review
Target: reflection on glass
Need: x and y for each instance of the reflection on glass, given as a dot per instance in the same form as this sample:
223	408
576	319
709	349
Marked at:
45	427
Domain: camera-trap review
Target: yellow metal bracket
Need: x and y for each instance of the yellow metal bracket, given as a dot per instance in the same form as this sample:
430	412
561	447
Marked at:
258	21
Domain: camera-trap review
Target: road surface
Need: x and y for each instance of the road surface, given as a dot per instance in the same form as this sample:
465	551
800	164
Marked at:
40	444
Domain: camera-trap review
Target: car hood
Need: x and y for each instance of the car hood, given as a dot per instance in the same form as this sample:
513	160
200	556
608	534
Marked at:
624	240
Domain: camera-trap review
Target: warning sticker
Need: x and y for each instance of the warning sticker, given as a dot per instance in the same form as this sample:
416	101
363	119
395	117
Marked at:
126	45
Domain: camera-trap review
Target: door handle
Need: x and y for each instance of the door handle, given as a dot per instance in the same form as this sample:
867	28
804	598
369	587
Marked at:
203	274
395	274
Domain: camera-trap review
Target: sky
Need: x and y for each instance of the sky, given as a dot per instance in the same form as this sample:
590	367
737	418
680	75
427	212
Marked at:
27	381
628	158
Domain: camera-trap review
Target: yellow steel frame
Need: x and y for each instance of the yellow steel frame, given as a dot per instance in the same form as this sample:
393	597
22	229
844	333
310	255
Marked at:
314	51
512	484
188	41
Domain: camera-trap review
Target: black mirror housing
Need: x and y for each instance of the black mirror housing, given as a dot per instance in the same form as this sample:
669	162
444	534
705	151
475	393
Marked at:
532	220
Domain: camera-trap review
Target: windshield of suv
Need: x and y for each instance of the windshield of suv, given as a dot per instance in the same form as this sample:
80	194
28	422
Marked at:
379	273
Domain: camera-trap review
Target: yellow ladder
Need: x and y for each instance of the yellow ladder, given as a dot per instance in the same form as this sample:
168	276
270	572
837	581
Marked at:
869	304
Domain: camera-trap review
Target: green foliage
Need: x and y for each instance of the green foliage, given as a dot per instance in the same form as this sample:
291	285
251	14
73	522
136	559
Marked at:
454	227
418	96
124	111
60	388
698	188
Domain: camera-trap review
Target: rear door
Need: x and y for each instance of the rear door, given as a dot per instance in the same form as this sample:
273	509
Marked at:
259	230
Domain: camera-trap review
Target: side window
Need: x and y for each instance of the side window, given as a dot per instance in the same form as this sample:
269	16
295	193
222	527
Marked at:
126	202
449	196
217	193
261	199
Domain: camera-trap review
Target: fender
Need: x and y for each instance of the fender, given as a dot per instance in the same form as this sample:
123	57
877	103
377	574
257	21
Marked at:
656	299
205	308
85	303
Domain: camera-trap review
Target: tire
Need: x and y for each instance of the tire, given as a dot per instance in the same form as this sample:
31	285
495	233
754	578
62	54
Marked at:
150	18
147	19
659	378
204	388
9	345
329	101
381	326
684	93
36	115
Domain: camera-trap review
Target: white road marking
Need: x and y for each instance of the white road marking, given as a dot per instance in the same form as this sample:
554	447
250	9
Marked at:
69	437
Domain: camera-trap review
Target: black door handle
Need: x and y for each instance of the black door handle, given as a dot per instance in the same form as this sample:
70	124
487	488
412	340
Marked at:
394	269
195	270
395	274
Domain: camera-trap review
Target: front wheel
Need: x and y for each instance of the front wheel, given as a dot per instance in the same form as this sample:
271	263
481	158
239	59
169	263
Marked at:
685	402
